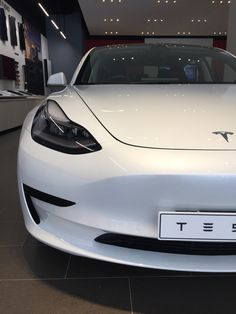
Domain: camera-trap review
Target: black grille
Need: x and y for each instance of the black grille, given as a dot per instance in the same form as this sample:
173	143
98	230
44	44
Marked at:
174	247
31	208
51	199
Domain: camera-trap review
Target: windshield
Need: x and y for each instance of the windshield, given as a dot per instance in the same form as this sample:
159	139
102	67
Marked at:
157	64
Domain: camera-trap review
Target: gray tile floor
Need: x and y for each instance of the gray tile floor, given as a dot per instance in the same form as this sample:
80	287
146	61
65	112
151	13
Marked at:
35	278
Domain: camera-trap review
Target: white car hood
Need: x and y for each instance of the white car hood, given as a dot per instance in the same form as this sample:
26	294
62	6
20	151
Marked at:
166	116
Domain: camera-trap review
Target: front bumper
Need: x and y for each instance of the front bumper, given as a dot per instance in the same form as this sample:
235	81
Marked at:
121	190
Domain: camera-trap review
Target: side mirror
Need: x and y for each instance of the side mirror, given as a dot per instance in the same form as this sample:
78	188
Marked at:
58	79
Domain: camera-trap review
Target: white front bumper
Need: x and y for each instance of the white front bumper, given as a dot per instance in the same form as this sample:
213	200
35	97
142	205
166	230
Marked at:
121	189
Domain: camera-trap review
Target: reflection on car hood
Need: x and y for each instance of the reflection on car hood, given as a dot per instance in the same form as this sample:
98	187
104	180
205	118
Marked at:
166	116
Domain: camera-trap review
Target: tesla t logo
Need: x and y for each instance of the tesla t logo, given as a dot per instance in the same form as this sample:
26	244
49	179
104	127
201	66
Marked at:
224	134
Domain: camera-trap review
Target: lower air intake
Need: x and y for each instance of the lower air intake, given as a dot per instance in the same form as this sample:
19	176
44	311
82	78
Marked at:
47	198
174	247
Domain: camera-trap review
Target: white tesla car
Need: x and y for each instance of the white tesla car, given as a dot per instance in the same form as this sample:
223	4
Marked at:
134	161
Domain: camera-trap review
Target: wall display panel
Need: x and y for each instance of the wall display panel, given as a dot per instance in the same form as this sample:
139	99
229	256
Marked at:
34	77
12	25
7	68
3	25
6	49
21	36
34	80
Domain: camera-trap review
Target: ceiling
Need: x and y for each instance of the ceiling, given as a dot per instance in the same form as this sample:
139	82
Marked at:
60	6
156	17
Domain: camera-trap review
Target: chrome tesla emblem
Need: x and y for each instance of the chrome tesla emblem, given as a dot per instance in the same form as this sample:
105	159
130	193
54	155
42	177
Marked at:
224	134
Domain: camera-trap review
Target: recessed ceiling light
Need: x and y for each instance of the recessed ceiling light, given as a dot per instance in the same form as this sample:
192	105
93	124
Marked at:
221	2
105	20
192	20
153	33
148	20
213	2
111	20
116	33
55	25
62	34
161	20
155	20
205	21
229	2
117	20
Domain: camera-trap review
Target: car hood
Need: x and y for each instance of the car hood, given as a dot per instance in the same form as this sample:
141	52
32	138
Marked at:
166	116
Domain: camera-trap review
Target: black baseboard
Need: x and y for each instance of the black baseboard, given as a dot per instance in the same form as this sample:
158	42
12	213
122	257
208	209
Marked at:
10	130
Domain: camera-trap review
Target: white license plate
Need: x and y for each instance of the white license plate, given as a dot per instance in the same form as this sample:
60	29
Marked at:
179	226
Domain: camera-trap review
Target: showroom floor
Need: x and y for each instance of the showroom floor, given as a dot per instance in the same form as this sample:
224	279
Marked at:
35	278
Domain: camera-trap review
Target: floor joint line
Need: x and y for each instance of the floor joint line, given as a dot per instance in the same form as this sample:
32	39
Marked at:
130	297
67	269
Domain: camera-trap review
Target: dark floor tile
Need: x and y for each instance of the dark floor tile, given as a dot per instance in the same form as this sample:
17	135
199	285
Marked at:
213	274
12	233
31	241
11	212
195	295
9	199
32	262
81	267
65	296
10	209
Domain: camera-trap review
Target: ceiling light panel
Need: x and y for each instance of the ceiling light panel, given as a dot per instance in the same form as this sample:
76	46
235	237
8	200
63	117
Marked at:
43	9
54	24
160	17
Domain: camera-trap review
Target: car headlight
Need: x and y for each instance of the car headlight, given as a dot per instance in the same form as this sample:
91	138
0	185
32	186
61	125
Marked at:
53	129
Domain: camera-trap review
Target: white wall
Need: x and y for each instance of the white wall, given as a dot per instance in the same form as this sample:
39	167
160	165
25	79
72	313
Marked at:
12	52
188	41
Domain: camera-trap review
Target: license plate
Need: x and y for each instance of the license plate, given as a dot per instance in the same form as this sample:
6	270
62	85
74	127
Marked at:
177	226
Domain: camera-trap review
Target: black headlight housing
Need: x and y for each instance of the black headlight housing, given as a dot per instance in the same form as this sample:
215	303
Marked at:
53	129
